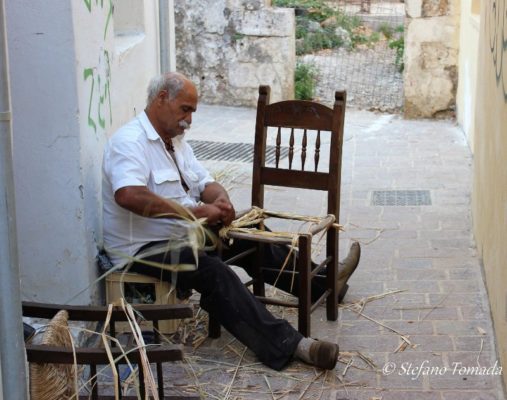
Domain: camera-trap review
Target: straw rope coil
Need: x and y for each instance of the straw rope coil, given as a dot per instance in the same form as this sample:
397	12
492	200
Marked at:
54	381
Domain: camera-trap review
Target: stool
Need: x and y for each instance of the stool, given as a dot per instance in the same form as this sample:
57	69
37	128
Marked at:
141	289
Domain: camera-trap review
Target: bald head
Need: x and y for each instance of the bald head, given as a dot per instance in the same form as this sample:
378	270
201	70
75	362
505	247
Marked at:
172	82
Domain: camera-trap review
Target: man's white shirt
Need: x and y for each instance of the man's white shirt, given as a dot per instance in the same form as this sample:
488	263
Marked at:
136	156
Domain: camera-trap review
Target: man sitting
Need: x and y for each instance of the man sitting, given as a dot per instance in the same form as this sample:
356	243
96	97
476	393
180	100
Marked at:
151	179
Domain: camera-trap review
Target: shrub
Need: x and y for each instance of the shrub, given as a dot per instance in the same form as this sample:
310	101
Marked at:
315	41
386	29
347	22
398	44
304	80
317	10
325	37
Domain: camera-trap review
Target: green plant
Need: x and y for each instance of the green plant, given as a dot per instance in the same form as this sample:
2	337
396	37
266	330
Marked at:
386	29
315	41
347	22
301	27
325	37
358	38
398	44
238	36
316	10
304	79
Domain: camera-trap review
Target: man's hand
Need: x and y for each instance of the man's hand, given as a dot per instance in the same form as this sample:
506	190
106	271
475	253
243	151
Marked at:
227	210
211	212
214	194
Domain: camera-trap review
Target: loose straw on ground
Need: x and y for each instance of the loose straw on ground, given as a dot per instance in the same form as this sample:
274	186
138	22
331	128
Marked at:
362	303
269	387
302	395
235	374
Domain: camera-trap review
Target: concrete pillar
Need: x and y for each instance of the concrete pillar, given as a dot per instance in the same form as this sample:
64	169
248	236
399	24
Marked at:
74	80
55	250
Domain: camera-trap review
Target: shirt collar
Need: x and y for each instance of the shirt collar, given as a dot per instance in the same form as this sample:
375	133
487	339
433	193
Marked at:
151	133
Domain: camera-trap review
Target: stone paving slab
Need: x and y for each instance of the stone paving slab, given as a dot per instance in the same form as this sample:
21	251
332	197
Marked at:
427	253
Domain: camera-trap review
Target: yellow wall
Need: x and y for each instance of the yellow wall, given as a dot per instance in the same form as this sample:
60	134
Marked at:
489	198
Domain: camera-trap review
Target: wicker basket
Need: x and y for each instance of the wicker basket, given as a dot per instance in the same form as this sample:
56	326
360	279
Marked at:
54	381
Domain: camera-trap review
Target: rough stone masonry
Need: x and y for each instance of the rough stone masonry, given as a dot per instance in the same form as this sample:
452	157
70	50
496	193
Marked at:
230	47
431	58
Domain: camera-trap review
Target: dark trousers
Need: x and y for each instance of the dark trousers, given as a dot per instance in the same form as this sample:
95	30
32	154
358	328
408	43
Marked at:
224	296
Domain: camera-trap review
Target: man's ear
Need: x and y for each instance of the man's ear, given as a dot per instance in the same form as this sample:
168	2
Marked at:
163	95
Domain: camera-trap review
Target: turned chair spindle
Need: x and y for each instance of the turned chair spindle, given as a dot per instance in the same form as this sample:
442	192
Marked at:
278	142
317	151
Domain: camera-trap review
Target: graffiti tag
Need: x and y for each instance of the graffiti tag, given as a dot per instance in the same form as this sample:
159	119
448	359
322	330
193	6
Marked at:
496	24
100	92
99	76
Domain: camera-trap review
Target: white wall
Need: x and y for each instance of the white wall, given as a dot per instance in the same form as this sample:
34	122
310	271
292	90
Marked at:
46	149
73	82
468	55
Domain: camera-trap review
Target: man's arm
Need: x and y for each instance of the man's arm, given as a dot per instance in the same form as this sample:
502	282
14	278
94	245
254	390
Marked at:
140	200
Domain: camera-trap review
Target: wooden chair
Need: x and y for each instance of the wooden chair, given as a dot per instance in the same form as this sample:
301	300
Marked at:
98	356
313	120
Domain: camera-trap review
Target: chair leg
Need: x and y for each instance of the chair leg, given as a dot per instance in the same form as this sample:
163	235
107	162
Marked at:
112	334
141	380
93	381
214	328
304	268
332	275
160	371
258	282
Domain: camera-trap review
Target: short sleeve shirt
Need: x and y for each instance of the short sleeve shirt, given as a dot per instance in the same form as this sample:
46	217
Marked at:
136	156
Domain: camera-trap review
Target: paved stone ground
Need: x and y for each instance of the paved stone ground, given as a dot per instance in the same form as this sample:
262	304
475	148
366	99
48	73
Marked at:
424	256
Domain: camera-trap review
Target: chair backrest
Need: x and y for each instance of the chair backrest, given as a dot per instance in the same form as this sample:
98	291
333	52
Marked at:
312	123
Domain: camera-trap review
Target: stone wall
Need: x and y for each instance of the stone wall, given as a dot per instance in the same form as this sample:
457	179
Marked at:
230	47
431	58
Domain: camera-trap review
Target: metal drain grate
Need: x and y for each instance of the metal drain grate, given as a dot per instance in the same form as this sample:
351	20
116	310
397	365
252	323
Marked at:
401	198
241	152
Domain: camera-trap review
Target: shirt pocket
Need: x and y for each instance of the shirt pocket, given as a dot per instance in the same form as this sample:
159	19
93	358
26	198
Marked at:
193	181
166	183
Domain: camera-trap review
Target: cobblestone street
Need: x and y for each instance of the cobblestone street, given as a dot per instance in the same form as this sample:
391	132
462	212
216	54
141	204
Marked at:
416	322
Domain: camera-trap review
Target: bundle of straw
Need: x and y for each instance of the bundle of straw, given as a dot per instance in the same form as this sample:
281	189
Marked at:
54	381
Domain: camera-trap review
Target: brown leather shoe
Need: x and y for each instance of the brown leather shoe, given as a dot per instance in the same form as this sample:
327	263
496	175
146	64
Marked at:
324	354
347	268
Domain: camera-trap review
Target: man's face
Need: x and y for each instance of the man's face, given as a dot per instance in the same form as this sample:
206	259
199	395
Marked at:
175	115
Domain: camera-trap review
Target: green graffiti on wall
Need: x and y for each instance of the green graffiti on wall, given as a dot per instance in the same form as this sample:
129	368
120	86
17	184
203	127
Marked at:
99	88
99	76
88	4
496	26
